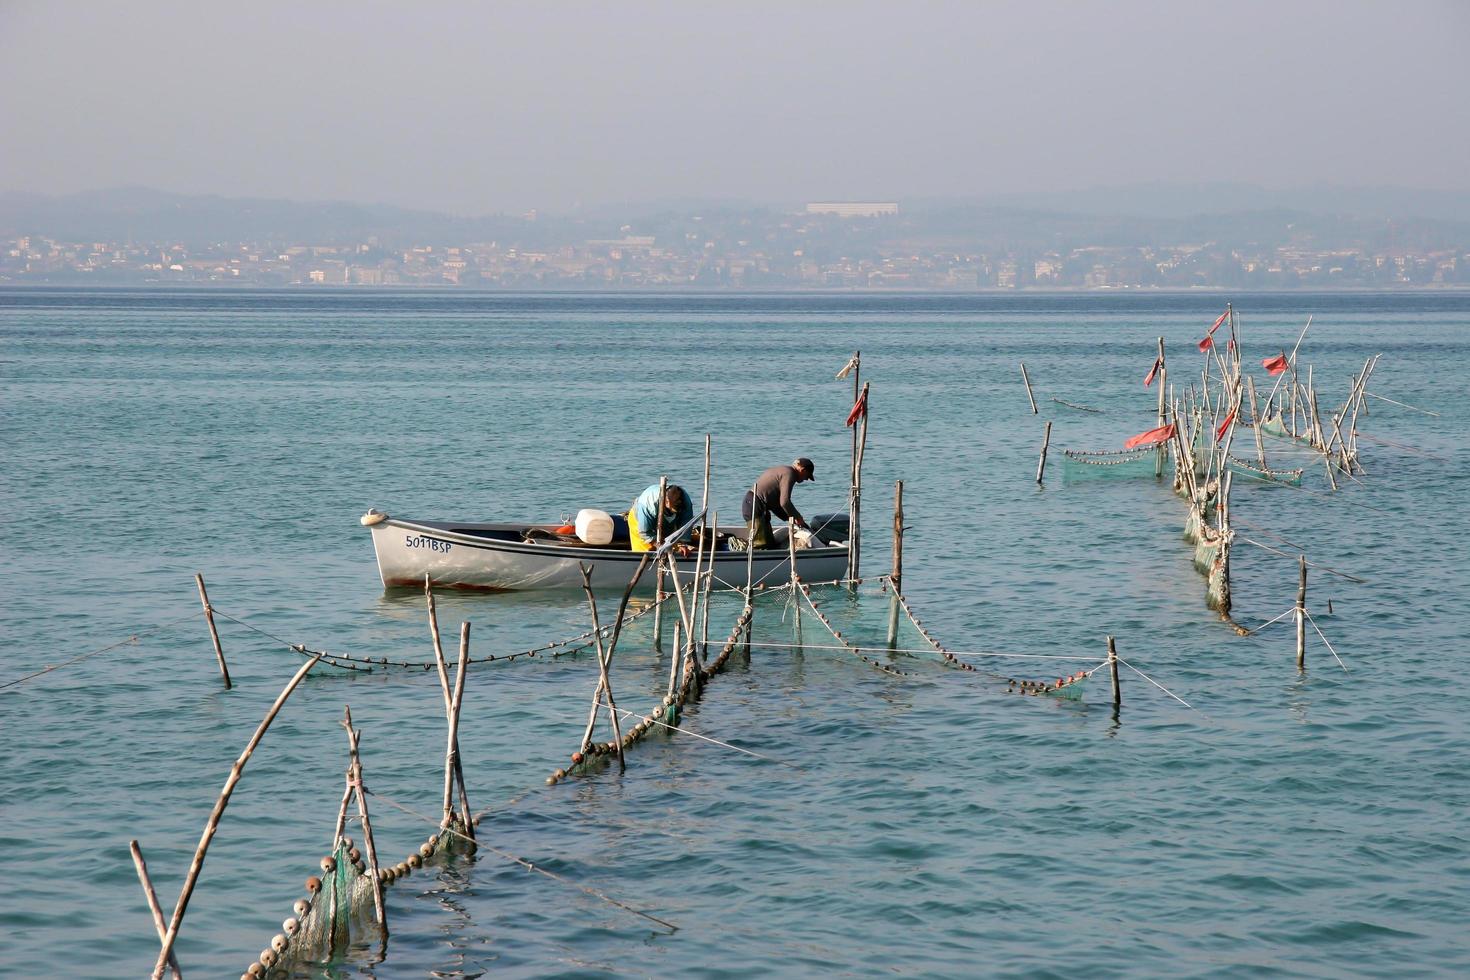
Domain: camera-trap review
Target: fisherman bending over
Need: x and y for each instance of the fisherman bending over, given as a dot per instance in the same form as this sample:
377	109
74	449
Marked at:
643	517
772	496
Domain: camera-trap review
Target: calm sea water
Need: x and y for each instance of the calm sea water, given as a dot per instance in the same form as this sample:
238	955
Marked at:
925	825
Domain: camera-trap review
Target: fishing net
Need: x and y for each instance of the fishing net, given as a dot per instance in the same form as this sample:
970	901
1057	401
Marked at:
1068	688
1080	467
338	909
1253	471
1275	426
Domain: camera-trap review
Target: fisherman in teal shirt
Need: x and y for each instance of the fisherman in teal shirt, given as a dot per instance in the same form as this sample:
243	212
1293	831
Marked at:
643	517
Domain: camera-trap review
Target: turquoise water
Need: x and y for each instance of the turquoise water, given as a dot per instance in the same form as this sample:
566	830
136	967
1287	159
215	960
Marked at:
928	824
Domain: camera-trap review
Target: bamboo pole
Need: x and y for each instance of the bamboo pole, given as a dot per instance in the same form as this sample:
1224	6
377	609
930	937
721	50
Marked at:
219	653
451	748
354	779
153	907
1026	380
1309	400
1301	613
796	591
604	683
855	535
1163	381
857	385
895	574
658	585
1113	665
448	694
750	573
1362	386
853	505
617	631
1250	385
1318	441
704	500
675	660
236	771
709	585
1046	441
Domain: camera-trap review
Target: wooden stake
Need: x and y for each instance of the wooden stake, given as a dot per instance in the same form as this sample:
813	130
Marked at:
219	653
236	771
451	750
1113	665
448	694
1163	381
855	531
750	573
143	879
1046	441
709	584
1250	387
675	660
1026	380
852	473
895	574
354	780
604	684
704	500
1301	613
658	587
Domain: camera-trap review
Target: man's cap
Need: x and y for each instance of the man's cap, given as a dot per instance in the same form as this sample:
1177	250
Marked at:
802	463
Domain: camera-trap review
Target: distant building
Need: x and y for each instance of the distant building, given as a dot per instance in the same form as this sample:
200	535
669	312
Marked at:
852	209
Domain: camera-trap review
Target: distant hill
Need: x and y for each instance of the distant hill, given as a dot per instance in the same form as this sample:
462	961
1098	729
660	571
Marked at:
142	214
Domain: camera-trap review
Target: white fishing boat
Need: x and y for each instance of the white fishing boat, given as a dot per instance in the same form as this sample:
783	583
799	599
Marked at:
519	557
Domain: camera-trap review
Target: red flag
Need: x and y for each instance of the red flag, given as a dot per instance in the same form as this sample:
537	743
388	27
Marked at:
1275	365
1220	431
859	407
1153	371
1230	345
1152	436
1217	323
1206	344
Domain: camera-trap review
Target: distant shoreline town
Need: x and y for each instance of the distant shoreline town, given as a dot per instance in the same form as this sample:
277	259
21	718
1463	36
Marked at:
824	246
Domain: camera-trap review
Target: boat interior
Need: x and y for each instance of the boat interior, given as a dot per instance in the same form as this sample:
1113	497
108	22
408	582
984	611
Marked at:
829	530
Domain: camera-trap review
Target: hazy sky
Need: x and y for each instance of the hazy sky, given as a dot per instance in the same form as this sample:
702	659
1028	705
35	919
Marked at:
490	106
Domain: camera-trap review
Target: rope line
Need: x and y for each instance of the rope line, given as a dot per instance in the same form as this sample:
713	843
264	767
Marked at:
1278	619
1325	640
529	866
1415	408
1325	568
1159	685
706	738
1398	445
368	664
919	650
94	653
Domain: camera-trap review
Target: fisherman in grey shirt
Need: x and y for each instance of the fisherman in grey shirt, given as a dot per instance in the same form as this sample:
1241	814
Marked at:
772	496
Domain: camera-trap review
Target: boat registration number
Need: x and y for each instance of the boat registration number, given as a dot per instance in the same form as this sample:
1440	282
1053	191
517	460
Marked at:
419	541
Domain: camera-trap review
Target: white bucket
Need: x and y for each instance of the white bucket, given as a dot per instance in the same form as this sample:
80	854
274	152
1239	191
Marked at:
594	527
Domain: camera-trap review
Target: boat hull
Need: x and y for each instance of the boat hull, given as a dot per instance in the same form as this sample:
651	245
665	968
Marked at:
473	556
